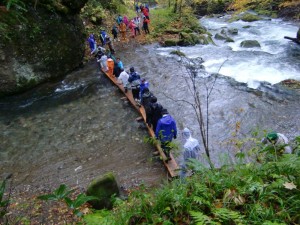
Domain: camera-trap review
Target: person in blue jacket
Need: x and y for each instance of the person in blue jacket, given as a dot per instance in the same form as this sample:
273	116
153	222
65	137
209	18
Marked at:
166	130
92	43
103	37
144	84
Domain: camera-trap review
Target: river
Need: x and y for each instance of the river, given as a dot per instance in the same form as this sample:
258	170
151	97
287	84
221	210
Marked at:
74	129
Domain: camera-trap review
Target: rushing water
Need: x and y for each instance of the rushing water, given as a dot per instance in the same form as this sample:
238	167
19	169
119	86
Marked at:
73	130
277	59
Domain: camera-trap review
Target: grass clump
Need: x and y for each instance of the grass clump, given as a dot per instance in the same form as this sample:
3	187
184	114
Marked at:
265	191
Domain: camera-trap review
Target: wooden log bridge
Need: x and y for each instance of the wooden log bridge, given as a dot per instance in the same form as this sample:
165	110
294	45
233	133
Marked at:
171	166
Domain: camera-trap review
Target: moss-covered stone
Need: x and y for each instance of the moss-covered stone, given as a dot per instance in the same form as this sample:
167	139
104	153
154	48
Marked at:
104	188
250	44
248	17
170	42
187	39
40	44
233	31
179	53
220	36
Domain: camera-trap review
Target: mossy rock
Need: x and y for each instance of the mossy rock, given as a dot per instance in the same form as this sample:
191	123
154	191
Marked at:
233	31
205	39
228	39
220	36
170	42
104	188
250	44
187	39
47	43
248	17
246	27
177	52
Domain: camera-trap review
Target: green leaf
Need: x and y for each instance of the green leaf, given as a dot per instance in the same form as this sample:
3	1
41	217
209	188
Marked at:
82	199
48	197
69	202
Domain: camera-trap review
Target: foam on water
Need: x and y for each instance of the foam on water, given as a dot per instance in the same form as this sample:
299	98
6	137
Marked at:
271	62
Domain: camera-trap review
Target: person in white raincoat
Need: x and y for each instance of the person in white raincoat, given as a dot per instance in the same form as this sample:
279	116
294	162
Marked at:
279	141
191	151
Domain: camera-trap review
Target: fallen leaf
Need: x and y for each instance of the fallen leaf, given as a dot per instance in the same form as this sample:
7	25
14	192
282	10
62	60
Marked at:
289	186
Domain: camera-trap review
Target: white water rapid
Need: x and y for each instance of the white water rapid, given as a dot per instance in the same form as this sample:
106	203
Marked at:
276	60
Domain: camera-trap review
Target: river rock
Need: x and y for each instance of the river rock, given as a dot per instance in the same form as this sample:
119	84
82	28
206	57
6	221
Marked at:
189	39
250	44
220	36
223	36
233	31
248	17
103	187
46	42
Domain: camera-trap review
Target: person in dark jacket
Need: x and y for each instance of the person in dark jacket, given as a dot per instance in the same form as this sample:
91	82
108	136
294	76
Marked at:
166	130
134	80
115	32
118	67
146	102
146	25
155	112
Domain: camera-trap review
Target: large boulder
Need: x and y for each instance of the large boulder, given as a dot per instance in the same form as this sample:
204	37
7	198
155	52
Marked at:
190	39
103	187
250	44
39	44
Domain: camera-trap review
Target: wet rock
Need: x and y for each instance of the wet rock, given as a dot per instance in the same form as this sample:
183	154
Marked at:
223	36
233	31
104	188
250	44
48	44
220	36
190	39
248	17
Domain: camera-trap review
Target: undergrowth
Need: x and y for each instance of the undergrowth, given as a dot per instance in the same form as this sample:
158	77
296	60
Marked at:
265	192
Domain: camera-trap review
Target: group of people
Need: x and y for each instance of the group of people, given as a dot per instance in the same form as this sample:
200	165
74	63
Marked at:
105	39
134	25
158	117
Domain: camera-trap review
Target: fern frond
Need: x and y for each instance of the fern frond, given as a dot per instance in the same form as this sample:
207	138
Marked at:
201	219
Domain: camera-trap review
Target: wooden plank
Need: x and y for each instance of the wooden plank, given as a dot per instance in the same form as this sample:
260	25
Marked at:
171	165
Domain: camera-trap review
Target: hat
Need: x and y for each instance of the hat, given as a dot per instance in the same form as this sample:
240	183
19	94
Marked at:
153	99
164	111
272	136
186	133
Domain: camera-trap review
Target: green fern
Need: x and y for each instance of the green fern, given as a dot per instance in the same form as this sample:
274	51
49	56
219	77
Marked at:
227	216
202	219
